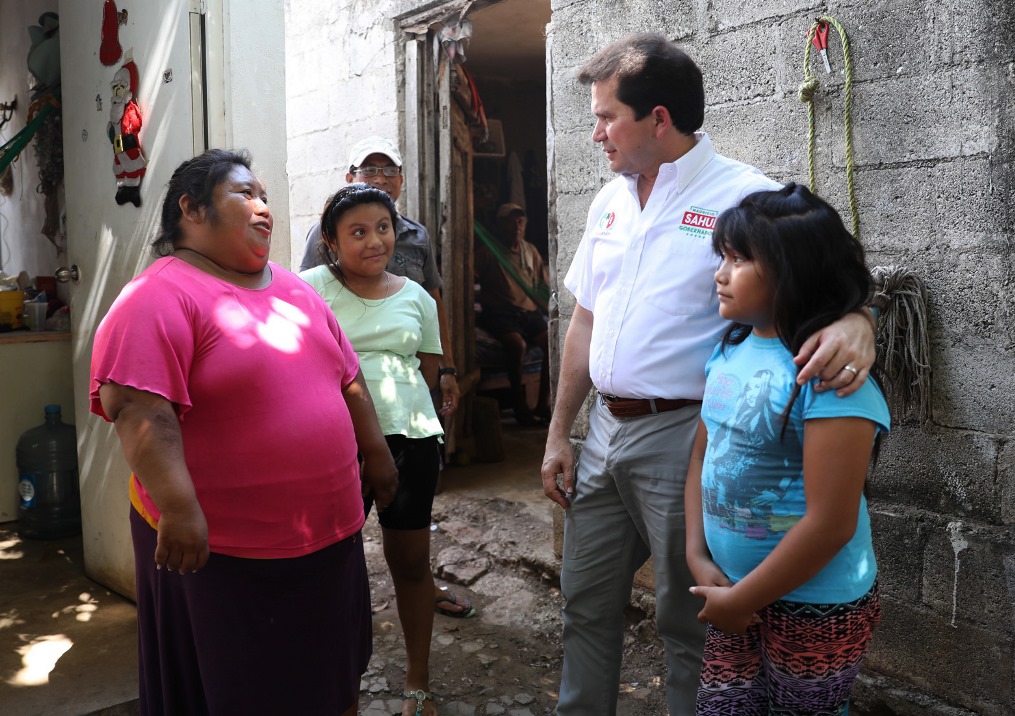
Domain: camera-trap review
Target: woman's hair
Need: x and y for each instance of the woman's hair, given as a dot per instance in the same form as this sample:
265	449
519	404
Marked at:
814	267
340	202
196	178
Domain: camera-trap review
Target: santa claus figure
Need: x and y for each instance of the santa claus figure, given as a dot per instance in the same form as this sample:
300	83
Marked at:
124	124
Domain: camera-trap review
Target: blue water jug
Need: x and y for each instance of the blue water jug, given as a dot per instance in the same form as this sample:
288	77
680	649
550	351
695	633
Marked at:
47	458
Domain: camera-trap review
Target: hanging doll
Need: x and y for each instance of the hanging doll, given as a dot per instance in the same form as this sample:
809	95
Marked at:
110	50
124	124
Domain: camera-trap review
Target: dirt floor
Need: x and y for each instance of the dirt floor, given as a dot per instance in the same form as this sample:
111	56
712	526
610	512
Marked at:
496	550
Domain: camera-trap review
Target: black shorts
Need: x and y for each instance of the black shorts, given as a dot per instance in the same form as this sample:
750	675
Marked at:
503	320
418	463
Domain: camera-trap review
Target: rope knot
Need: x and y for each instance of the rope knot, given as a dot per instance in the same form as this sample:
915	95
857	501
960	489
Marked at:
808	88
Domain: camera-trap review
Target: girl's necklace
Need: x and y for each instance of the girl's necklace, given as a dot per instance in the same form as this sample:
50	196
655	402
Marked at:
387	282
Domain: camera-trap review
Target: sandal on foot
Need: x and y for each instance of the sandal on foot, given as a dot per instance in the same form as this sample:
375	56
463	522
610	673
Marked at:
450	597
421	698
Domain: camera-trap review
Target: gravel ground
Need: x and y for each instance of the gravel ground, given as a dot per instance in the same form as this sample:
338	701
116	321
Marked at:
506	660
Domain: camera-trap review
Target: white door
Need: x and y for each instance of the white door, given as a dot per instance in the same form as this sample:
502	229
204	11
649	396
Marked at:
108	243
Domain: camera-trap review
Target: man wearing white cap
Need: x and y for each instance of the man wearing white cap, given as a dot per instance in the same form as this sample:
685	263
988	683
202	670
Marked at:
377	161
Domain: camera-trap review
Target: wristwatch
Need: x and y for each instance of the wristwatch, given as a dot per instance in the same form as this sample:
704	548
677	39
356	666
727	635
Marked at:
447	371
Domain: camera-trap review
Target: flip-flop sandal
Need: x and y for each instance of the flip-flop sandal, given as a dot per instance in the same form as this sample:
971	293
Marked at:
449	596
421	698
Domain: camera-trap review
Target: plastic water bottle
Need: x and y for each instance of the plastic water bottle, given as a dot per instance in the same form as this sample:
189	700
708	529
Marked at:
47	458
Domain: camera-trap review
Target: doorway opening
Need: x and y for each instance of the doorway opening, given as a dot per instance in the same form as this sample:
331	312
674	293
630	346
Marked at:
476	132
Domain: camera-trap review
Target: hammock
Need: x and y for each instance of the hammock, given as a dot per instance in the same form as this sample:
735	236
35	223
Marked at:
13	147
539	293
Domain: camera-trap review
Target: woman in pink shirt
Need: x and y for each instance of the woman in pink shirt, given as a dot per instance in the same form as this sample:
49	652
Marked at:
241	410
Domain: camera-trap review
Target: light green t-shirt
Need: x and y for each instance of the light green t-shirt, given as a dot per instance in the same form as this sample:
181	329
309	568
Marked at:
387	334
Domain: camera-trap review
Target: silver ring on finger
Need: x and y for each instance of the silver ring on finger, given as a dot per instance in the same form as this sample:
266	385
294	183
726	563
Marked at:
851	369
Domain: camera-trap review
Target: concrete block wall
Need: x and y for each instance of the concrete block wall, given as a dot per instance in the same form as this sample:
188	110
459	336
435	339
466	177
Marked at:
342	65
934	140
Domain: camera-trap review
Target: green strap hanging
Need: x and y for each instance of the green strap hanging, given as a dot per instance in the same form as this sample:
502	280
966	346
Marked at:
16	144
540	293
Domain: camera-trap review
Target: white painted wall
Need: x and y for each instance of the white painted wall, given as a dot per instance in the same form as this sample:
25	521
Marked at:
254	85
109	242
22	244
341	86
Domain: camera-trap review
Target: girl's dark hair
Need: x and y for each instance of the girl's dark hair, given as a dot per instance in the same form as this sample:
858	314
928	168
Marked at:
196	178
814	266
340	202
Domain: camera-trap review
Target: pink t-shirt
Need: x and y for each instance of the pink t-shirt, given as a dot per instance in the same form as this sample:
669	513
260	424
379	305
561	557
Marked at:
256	377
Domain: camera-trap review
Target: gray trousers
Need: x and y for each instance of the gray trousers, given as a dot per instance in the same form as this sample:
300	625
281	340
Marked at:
628	504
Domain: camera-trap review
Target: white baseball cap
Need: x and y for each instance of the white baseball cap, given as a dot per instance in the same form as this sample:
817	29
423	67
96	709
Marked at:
374	145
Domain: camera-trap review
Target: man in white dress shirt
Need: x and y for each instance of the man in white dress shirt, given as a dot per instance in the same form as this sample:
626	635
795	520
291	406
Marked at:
645	323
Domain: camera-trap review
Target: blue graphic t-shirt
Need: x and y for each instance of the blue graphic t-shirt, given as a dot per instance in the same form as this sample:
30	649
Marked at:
752	483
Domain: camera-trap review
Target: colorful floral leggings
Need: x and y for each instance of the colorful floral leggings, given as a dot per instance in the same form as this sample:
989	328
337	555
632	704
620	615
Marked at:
801	660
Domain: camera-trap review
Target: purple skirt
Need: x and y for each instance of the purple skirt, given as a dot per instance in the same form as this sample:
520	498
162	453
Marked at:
252	635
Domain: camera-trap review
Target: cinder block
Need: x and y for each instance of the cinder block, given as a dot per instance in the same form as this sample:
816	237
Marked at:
769	134
953	34
908	207
737	66
579	166
939	470
1006	480
928	118
877	695
593	25
965	577
978	313
965	665
898	535
972	387
733	14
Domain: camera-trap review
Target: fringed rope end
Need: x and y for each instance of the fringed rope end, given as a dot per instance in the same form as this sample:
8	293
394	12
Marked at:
903	345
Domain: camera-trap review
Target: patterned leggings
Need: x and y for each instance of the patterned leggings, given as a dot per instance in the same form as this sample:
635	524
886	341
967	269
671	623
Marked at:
801	660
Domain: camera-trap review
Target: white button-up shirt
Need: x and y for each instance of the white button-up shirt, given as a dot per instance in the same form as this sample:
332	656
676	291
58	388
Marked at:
647	274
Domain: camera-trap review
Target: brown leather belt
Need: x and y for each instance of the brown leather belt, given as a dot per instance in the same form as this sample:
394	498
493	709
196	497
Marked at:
636	407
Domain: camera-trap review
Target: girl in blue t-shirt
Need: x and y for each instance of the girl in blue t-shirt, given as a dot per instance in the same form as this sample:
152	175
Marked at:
778	536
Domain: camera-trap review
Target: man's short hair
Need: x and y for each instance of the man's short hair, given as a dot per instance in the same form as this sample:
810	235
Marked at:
651	71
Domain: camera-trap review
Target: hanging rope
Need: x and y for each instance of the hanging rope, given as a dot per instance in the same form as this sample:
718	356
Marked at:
808	89
899	296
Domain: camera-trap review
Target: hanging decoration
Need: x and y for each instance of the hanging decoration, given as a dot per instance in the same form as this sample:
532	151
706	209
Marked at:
454	38
129	163
44	64
110	50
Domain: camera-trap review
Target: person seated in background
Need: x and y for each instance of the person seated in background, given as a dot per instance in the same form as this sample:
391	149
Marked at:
513	278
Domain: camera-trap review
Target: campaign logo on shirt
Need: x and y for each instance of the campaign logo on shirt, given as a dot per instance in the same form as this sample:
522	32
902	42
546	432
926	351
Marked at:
606	220
698	221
